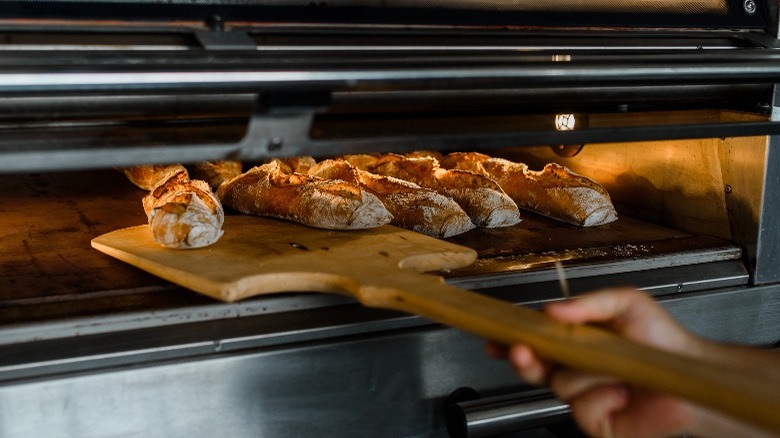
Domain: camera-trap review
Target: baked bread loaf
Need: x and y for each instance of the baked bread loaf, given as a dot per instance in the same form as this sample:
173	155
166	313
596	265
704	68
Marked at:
216	172
149	176
480	197
413	207
555	191
300	164
362	161
273	189
422	154
184	213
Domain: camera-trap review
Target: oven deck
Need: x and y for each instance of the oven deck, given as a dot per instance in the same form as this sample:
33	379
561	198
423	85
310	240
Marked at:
53	280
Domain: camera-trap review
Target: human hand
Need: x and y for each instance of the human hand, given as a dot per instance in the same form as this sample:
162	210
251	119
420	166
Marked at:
601	405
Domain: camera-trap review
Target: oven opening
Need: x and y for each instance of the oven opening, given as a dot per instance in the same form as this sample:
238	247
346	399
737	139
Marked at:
684	208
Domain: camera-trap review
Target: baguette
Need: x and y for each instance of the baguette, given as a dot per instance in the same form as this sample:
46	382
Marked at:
422	154
273	189
300	164
413	207
555	191
149	176
216	172
480	197
362	161
183	213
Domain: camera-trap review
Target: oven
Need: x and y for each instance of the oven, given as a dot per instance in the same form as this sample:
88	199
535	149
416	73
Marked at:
676	115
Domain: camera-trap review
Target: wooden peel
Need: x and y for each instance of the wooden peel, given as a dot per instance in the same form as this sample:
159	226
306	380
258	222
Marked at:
383	268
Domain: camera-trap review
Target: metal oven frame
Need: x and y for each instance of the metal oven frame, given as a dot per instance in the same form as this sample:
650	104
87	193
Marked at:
303	365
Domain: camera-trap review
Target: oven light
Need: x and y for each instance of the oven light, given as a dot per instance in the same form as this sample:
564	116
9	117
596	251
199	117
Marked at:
565	122
561	58
568	122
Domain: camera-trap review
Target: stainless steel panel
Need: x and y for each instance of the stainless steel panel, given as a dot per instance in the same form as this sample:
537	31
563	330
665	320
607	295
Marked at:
767	255
743	316
389	384
250	71
385	386
44	348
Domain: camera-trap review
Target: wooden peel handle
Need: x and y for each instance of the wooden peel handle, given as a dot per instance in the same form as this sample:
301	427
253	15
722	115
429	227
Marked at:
740	394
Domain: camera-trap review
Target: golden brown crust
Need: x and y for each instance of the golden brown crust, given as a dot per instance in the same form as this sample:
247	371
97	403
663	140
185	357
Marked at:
184	213
555	191
413	207
423	154
300	164
269	190
480	197
216	172
361	161
473	161
149	176
335	169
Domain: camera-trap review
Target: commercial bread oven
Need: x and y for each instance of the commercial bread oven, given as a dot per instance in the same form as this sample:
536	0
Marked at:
675	114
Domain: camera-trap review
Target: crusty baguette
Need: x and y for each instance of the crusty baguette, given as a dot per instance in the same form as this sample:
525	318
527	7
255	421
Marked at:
555	191
184	213
216	172
274	190
422	154
300	164
362	161
413	207
149	176
480	197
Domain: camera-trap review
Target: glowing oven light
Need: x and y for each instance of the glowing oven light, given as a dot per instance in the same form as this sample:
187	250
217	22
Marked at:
564	122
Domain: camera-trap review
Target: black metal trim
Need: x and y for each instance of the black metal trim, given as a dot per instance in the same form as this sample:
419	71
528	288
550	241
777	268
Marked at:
210	76
71	150
321	12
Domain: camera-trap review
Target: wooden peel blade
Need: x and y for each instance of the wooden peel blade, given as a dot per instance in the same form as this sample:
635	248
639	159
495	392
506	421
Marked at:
380	268
260	256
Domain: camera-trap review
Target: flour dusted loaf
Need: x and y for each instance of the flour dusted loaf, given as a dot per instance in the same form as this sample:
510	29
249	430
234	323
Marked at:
481	198
413	207
183	213
555	191
274	189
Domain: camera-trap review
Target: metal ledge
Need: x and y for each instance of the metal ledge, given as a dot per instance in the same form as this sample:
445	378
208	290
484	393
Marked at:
90	343
286	134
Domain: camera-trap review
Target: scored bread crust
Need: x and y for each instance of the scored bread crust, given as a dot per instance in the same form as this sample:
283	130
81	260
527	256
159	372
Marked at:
149	176
184	213
413	207
555	191
273	189
481	198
